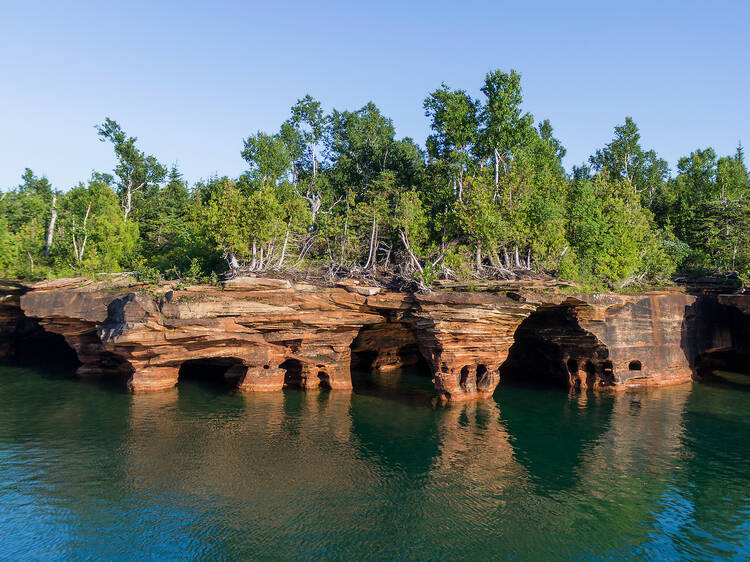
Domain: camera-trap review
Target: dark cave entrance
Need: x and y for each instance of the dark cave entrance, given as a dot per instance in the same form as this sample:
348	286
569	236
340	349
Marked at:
33	344
472	379
214	371
387	347
364	360
719	344
386	361
292	373
412	357
549	349
324	380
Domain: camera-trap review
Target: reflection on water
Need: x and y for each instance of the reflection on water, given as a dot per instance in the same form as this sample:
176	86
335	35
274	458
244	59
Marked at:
200	472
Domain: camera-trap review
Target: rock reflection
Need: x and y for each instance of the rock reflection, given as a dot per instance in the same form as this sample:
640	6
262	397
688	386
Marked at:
176	439
646	425
550	432
196	472
474	444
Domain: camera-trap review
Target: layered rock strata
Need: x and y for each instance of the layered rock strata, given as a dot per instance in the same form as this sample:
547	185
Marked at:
278	333
271	333
608	341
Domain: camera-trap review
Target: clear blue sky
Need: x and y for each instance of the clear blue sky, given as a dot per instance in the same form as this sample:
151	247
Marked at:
192	79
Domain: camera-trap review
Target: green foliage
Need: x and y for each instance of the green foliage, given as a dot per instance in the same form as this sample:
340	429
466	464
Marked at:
139	174
612	234
488	195
624	159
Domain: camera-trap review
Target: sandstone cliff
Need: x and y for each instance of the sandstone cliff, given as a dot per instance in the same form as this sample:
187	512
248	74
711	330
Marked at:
271	333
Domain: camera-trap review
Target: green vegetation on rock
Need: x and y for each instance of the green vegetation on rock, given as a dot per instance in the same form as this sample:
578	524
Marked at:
487	199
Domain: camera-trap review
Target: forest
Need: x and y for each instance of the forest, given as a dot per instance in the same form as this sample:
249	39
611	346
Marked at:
334	194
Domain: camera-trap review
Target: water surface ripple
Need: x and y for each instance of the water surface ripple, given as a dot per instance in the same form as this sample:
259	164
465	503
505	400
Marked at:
200	472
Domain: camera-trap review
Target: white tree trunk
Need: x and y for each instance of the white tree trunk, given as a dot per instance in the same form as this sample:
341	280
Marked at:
51	227
497	174
283	248
128	201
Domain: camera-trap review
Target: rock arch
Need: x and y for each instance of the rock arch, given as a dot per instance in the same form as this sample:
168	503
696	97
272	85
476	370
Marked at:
225	370
551	348
386	346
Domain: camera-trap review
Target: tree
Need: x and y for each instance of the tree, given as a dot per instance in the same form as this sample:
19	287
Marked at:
454	120
308	119
360	143
305	129
93	234
268	157
137	172
611	233
165	239
623	158
504	127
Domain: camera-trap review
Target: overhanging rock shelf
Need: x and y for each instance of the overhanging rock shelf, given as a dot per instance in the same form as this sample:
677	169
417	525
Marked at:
273	332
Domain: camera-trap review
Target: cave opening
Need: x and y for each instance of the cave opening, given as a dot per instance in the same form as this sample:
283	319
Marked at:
364	360
387	347
463	377
411	357
572	366
292	373
482	377
34	344
549	348
635	365
214	371
386	361
608	373
325	380
590	369
718	345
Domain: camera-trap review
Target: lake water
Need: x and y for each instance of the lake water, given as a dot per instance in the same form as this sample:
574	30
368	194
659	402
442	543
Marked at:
201	472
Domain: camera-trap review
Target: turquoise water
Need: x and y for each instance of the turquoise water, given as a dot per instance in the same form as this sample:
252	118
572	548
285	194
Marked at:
201	472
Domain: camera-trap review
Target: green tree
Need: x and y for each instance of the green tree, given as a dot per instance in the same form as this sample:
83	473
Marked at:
138	174
611	233
625	159
454	121
505	128
93	233
268	157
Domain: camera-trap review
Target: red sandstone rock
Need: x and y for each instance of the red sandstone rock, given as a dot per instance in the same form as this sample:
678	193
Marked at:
607	341
275	333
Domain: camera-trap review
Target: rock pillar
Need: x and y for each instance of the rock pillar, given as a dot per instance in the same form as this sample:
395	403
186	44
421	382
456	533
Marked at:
153	378
263	378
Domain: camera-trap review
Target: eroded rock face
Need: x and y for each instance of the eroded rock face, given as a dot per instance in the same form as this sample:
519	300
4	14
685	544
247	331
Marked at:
606	341
10	315
271	333
279	333
721	338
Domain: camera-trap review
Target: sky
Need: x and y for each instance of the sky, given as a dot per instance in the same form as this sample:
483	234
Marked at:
191	80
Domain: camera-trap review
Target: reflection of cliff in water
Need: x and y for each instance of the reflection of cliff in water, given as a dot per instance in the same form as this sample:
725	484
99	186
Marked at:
405	438
321	474
407	385
550	431
475	449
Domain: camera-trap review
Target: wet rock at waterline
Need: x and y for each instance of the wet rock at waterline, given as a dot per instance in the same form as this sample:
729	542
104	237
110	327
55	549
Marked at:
265	334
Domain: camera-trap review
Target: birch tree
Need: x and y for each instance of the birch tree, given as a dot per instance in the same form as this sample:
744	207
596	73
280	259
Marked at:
136	171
